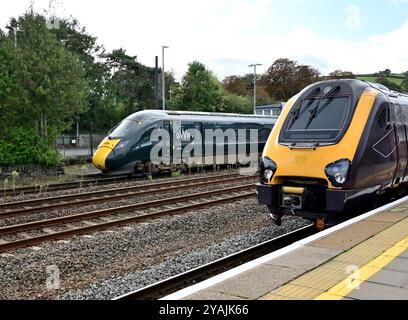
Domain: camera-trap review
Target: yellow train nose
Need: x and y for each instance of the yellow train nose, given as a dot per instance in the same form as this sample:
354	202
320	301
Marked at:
102	153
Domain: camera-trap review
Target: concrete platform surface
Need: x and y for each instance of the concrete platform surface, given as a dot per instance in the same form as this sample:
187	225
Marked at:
365	258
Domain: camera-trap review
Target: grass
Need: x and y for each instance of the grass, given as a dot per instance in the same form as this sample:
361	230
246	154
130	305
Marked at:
176	174
70	175
396	78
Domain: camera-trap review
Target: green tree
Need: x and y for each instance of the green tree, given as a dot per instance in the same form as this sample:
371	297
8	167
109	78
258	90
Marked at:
133	83
52	79
385	73
100	111
42	88
285	78
234	103
237	85
404	84
200	90
11	93
386	82
339	74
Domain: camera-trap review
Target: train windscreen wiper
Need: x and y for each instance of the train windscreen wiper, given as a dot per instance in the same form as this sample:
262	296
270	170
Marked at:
296	114
316	111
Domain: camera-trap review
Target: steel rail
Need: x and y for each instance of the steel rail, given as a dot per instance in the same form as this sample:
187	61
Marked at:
117	210
63	186
123	221
106	195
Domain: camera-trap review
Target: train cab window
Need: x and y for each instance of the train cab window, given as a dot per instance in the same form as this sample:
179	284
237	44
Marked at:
125	129
167	125
147	133
384	118
316	120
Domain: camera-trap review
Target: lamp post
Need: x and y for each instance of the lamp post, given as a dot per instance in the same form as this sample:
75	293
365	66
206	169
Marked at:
254	66
14	29
163	79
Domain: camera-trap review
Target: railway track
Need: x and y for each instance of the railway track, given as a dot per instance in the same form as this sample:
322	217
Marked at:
157	209
63	186
186	279
10	209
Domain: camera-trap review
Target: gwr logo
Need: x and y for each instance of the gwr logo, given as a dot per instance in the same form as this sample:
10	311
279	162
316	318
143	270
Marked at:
184	136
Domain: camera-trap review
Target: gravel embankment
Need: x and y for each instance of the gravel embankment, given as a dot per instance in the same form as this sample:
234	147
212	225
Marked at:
107	264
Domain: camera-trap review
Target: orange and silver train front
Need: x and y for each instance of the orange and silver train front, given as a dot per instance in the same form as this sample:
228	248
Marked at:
308	159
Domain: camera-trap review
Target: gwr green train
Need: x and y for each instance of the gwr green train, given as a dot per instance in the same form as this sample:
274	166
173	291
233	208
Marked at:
128	147
337	148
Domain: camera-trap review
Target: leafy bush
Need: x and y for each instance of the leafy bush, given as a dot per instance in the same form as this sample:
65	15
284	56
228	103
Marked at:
24	146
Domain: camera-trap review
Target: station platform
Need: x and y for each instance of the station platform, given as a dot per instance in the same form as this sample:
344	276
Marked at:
365	258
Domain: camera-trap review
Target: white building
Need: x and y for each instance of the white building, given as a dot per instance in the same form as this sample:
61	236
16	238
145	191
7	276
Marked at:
273	110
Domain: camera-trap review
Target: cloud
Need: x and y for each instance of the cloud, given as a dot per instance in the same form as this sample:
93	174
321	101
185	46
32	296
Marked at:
226	35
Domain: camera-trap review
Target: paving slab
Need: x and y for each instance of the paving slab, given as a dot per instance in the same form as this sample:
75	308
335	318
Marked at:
324	277
389	216
257	282
391	278
305	258
404	255
212	295
349	237
375	291
292	292
398	264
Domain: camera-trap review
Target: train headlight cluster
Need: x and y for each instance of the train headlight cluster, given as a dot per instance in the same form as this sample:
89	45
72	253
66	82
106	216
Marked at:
268	169
122	148
338	172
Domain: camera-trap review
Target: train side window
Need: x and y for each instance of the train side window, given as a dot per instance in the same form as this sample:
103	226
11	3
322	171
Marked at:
167	125
383	119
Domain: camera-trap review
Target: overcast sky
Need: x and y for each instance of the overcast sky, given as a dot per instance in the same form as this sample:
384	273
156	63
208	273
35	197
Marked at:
228	35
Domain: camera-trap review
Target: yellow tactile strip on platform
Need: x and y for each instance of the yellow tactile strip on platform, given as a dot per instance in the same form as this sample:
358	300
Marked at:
336	278
343	288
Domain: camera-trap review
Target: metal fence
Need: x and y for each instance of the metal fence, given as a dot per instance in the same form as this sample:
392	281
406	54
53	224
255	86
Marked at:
77	146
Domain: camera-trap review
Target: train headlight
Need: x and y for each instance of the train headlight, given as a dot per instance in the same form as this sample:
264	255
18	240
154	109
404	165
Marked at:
338	172
268	169
122	148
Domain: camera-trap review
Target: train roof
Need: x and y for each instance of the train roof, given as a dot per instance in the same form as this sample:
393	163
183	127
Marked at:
202	116
357	83
357	87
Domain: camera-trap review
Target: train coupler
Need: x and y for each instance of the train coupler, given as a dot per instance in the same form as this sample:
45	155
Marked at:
320	224
276	218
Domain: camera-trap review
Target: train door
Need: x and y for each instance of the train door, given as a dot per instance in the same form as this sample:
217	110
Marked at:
396	124
384	147
404	110
198	126
187	135
264	133
401	139
168	126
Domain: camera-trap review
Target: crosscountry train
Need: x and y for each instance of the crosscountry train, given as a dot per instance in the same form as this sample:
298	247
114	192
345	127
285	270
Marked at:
128	146
338	147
